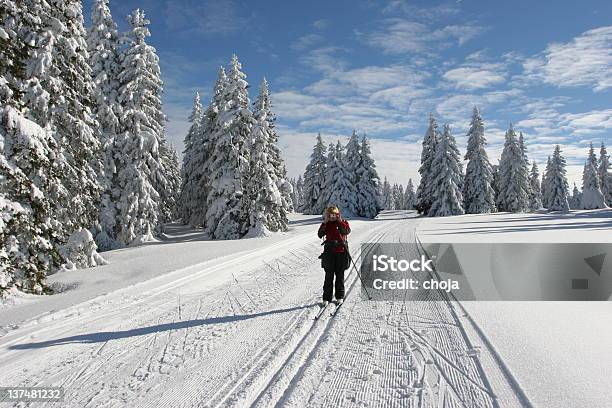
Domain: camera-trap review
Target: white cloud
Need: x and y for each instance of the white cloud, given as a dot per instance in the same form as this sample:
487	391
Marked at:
399	36
584	61
321	24
476	76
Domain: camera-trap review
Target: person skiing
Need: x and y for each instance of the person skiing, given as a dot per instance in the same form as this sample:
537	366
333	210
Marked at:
335	257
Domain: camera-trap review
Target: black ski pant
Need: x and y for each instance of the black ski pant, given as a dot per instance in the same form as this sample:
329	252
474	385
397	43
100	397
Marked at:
334	265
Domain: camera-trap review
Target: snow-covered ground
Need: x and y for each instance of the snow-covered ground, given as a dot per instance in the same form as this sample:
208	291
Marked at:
558	351
188	322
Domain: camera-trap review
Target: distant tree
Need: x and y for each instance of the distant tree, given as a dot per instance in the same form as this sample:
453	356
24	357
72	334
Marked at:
557	189
513	176
424	191
592	197
605	177
535	194
314	179
478	193
448	179
367	182
409	196
576	199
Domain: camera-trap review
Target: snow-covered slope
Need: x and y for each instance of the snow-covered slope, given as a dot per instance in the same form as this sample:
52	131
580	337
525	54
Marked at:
558	351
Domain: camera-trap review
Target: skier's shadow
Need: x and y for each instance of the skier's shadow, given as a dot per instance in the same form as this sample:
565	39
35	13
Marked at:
101	337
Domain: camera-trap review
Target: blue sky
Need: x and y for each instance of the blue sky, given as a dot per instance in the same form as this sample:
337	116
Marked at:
380	67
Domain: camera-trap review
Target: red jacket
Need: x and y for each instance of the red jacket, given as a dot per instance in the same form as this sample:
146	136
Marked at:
335	231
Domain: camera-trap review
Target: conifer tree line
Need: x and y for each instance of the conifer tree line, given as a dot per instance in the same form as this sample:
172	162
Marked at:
234	180
82	147
510	186
339	175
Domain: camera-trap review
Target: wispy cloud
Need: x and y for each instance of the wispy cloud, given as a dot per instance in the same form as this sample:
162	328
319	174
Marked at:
584	61
306	41
321	24
472	76
399	36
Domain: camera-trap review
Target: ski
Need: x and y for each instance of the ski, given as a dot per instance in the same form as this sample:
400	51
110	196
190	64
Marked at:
321	311
333	312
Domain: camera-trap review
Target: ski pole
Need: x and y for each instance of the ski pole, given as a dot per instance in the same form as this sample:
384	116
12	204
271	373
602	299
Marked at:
360	278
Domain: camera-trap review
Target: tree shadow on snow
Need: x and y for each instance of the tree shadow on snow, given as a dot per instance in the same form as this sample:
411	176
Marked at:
602	225
102	337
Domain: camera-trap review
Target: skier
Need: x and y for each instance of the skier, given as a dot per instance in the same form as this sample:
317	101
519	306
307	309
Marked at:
335	257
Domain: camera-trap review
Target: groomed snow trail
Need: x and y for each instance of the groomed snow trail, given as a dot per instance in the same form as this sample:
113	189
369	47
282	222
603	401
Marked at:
239	331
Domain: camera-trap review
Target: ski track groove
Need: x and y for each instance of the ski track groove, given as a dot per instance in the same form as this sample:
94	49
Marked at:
390	353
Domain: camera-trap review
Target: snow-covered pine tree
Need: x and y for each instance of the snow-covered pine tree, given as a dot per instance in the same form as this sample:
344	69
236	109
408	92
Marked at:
424	190
546	183
172	172
592	197
314	179
201	155
447	178
227	206
367	182
298	193
332	166
339	186
409	196
605	177
576	199
103	48
263	103
353	167
61	98
525	165
385	195
495	182
140	169
478	193
513	176
189	178
535	193
558	188
399	204
267	211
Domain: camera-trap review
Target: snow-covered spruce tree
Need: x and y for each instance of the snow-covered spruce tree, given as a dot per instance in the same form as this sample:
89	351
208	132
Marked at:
341	190
276	196
298	193
513	177
103	48
385	195
409	196
447	178
353	167
227	207
332	166
495	182
478	194
140	168
172	172
60	97
576	199
266	211
424	190
367	182
29	157
314	179
525	165
189	174
592	197
201	158
545	183
605	176
535	194
263	103
558	188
